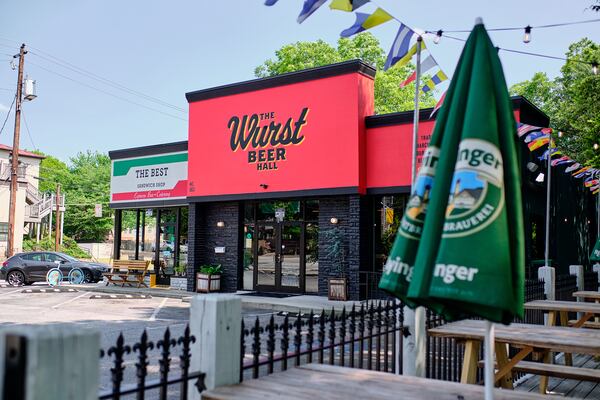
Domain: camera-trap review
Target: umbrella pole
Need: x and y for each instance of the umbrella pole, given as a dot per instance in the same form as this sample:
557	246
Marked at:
489	360
548	187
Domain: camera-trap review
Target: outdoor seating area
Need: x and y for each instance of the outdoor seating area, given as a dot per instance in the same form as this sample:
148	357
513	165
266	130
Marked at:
127	272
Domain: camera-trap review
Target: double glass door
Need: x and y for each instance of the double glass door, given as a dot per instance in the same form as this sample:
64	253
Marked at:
279	262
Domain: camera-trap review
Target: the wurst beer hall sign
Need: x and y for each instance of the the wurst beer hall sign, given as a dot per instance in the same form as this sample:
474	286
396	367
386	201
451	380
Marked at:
150	178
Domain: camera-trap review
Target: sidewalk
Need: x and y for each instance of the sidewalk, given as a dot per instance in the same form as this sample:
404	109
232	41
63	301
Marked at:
301	303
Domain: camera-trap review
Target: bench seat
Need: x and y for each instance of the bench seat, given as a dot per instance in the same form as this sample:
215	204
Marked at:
556	370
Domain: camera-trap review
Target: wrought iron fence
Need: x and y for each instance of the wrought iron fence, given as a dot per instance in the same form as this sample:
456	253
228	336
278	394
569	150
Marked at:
566	285
366	337
444	357
168	386
590	281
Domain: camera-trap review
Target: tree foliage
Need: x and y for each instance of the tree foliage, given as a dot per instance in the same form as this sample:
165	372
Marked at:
389	97
572	101
85	181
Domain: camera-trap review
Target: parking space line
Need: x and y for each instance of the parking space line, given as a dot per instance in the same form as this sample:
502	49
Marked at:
70	300
12	291
157	309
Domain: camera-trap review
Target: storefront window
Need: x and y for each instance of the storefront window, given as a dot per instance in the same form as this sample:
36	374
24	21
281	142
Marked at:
180	269
388	214
129	230
248	261
312	257
168	241
147	234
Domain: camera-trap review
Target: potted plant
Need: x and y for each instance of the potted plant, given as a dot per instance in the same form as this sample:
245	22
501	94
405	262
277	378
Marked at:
208	279
178	279
337	285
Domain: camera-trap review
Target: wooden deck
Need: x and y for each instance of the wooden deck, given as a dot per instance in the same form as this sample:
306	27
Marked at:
568	387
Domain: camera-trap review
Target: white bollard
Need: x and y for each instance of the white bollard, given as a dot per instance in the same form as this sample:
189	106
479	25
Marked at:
413	350
548	275
216	323
51	362
577	270
596	269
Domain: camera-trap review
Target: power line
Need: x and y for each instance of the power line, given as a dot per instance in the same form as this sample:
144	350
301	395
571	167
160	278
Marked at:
520	28
98	78
8	114
108	93
28	132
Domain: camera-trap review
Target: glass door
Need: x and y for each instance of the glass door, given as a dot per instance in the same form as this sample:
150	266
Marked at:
166	242
266	260
291	256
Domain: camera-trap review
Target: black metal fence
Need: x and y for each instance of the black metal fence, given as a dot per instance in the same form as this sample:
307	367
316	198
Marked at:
165	385
365	337
590	281
444	356
566	285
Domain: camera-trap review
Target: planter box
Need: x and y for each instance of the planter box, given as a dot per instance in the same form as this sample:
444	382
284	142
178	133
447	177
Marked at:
207	283
338	289
178	283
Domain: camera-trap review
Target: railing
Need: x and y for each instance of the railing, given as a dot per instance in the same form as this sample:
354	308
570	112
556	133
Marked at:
566	285
590	281
163	383
444	356
367	337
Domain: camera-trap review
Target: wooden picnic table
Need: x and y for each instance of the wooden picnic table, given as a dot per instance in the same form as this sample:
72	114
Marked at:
537	339
588	295
316	381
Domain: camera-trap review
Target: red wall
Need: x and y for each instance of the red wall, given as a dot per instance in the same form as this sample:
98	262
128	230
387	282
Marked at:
330	155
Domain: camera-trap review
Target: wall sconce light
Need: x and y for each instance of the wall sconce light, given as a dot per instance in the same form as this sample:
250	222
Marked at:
334	220
264	185
220	224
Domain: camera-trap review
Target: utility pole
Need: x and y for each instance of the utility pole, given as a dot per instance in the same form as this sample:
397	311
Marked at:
58	219
14	184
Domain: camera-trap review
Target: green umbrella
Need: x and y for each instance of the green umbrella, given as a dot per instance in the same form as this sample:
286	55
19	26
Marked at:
470	260
468	252
595	256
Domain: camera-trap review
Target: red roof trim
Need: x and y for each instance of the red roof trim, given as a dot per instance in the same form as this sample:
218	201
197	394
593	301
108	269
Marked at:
23	153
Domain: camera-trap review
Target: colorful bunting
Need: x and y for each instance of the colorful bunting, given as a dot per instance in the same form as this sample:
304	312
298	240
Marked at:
572	168
310	6
539	142
591	182
562	160
347	5
400	53
534	135
438	105
408	80
435	80
522	129
366	21
581	173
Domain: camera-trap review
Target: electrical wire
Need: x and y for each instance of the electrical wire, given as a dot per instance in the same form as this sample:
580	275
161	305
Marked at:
106	92
527	53
8	114
28	132
64	64
520	28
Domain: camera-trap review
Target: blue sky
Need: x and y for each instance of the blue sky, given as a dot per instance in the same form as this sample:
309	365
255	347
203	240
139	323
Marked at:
166	48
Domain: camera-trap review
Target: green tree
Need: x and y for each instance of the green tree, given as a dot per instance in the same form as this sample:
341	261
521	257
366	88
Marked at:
572	101
388	95
85	181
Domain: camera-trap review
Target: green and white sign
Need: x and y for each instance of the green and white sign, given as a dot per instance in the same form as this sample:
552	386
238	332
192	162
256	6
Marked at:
595	256
157	177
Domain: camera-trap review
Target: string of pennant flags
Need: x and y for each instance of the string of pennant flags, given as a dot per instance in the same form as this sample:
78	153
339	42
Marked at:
537	138
403	48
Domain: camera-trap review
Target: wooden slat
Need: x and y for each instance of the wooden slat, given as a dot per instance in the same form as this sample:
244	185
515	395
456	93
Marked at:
587	294
555	338
314	381
587	324
558	371
554	305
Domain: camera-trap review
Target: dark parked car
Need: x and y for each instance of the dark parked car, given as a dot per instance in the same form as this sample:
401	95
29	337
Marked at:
26	268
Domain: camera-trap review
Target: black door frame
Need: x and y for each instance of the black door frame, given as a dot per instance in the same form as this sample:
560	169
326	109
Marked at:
277	286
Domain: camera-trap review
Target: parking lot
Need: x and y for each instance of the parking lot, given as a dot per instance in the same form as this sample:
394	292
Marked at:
39	304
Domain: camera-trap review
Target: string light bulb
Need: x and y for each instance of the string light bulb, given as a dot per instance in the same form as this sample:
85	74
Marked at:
595	68
527	36
438	36
596	146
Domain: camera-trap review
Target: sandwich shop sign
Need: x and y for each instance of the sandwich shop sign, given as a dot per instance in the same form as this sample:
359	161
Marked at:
156	177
